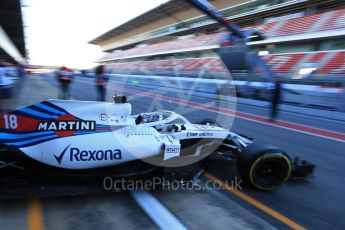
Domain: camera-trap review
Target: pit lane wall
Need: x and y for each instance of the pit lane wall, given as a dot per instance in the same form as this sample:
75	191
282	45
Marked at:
316	96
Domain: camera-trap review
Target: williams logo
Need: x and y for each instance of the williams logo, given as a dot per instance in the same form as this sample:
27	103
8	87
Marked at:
76	154
66	125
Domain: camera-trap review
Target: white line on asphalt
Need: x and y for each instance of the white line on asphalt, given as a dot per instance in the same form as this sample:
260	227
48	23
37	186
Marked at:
159	214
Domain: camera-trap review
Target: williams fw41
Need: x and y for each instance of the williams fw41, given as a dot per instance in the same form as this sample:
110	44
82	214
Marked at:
77	139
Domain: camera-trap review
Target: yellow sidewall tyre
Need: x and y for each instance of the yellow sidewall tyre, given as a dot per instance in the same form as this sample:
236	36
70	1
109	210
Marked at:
280	157
264	167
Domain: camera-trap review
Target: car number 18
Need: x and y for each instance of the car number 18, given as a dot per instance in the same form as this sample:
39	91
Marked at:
11	121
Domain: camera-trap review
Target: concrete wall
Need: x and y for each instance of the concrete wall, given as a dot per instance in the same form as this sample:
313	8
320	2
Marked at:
302	95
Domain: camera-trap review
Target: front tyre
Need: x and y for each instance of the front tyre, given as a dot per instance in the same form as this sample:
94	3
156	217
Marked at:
264	167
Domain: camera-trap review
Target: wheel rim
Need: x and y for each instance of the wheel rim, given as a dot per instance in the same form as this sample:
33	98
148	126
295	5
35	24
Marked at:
271	171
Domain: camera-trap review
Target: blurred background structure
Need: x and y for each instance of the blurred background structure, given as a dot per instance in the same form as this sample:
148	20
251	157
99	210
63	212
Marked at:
303	43
12	43
12	52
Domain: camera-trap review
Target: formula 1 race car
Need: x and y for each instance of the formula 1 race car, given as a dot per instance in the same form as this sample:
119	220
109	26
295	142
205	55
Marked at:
58	138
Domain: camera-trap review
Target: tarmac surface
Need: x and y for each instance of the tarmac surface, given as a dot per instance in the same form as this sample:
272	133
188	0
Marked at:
314	204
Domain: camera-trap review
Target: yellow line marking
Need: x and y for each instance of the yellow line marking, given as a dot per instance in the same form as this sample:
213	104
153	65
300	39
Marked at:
256	203
35	217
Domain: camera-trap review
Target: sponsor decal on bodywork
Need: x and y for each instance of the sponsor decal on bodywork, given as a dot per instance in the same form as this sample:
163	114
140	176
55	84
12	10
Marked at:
77	154
66	126
199	134
44	122
103	117
111	117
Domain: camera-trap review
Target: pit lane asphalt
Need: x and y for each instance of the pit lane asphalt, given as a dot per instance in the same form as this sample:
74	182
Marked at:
315	204
118	211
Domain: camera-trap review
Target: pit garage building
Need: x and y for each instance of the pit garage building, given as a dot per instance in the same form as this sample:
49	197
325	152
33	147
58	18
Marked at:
12	43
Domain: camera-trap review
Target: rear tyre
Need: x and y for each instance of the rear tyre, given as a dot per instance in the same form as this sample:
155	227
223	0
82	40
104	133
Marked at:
264	167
